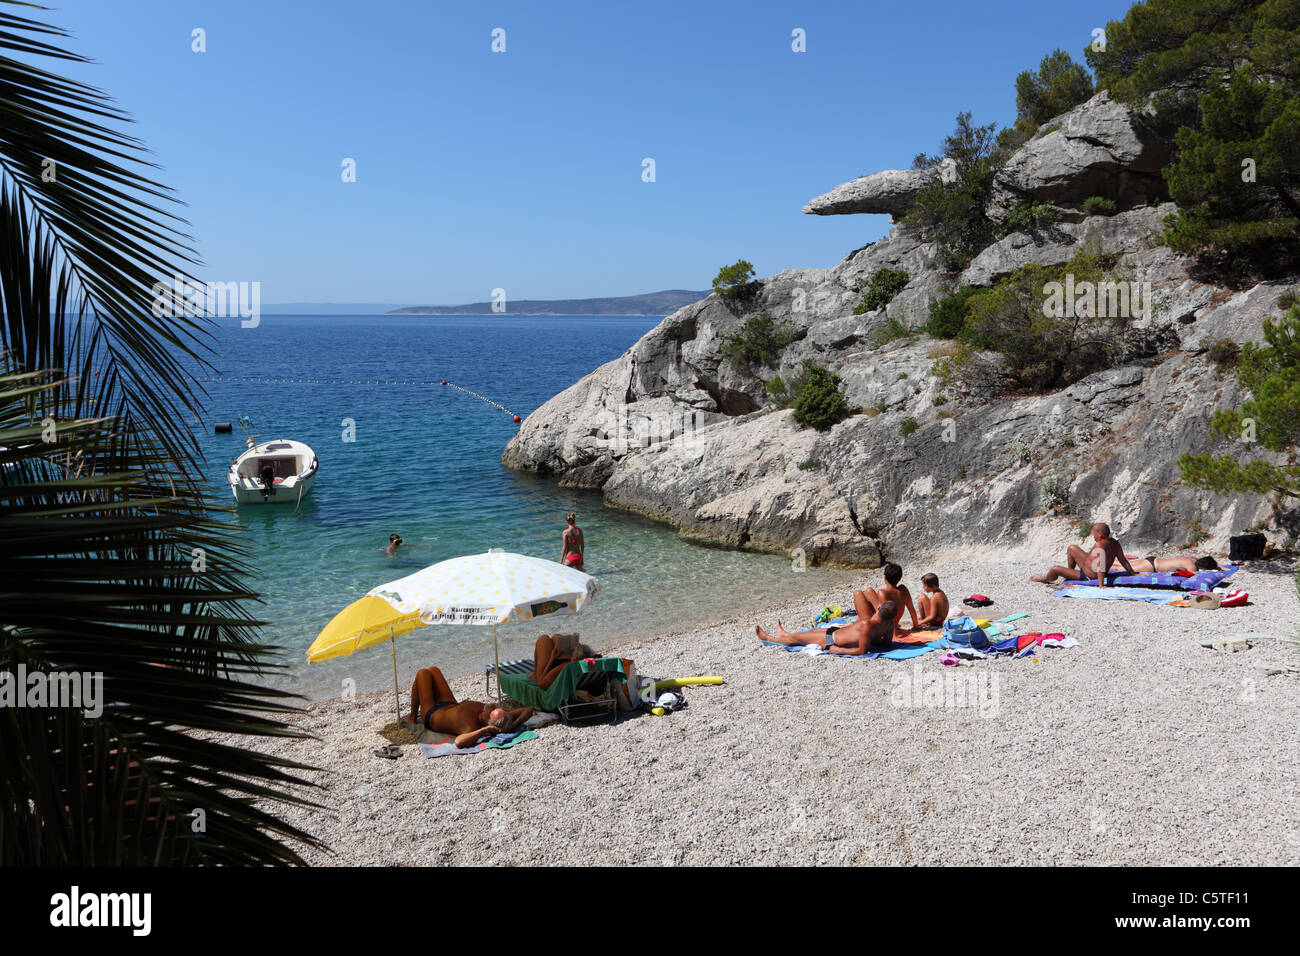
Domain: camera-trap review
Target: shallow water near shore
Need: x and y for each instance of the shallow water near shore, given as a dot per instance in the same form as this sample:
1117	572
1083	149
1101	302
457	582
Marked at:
424	463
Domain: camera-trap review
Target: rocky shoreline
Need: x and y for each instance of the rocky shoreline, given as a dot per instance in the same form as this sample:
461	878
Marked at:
677	431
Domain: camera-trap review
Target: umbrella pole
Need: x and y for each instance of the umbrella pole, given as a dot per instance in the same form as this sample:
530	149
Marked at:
397	696
496	659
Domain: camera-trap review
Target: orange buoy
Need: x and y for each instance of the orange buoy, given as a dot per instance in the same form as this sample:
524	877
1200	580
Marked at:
517	418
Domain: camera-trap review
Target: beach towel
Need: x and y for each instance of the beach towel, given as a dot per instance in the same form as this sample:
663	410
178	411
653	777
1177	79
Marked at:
1148	595
446	748
920	636
1004	625
894	654
1200	581
520	686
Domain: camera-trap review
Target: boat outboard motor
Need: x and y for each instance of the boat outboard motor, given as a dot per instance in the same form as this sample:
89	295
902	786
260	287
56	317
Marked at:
268	480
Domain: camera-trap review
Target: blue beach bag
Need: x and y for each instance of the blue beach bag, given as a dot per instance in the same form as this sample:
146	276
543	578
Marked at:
963	632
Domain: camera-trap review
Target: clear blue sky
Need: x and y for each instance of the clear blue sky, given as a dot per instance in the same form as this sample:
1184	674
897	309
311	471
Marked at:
522	169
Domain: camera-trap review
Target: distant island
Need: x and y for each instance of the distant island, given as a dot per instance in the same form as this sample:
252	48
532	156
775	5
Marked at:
651	303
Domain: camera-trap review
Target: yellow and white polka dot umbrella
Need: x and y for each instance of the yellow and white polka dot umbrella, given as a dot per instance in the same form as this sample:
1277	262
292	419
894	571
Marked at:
492	588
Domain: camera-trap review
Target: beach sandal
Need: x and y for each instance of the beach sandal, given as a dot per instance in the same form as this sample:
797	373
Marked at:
390	751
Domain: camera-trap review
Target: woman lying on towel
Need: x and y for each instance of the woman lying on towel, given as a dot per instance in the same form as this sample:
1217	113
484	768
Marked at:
1186	563
435	706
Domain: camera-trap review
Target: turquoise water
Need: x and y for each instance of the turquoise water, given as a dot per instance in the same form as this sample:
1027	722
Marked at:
425	464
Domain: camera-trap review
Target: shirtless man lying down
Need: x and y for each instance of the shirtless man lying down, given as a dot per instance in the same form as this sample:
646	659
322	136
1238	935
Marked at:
872	631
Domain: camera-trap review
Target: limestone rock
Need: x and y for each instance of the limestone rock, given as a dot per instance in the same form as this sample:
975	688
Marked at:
1099	148
889	191
1123	233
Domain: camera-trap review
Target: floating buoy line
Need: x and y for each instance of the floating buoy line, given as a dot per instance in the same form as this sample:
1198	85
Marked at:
481	398
304	381
332	381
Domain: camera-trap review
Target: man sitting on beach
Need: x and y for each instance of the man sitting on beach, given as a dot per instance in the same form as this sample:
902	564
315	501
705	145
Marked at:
435	706
872	631
893	592
932	603
1085	564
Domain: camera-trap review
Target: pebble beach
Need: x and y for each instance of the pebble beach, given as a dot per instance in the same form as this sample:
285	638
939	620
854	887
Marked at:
1138	747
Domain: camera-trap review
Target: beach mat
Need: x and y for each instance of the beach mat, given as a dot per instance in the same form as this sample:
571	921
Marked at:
1146	595
1003	625
894	654
432	743
1200	581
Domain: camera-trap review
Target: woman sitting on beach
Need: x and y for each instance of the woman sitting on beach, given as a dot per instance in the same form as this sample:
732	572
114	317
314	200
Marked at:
435	706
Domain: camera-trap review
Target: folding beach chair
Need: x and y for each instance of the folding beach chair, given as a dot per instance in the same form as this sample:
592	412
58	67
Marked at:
562	696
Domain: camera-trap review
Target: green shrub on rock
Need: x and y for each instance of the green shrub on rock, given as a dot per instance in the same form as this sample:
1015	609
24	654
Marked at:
1030	215
884	285
952	213
735	282
760	340
891	330
1099	206
948	315
1024	336
820	402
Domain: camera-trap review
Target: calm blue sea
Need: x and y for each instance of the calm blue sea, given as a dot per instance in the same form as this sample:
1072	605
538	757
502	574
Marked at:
425	465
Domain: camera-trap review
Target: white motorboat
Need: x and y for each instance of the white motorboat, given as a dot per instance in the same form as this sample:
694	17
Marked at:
279	472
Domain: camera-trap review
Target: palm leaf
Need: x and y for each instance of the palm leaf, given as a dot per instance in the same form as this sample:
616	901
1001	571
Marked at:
98	525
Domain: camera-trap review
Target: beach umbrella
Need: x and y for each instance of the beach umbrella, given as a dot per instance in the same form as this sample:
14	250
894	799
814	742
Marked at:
480	589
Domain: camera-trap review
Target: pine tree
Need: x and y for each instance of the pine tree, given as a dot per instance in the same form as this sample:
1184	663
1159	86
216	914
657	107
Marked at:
1270	418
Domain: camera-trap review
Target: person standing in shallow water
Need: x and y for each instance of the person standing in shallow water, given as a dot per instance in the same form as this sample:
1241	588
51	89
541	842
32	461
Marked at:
572	545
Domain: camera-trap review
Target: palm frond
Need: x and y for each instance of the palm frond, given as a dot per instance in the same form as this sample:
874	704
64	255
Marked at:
102	506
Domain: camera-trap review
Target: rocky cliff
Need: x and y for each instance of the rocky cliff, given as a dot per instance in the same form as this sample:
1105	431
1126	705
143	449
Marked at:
677	431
